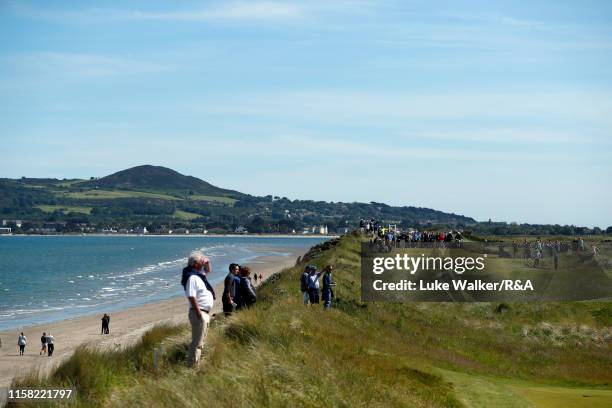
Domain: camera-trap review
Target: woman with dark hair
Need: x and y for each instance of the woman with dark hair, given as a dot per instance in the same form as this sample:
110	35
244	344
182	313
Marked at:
245	295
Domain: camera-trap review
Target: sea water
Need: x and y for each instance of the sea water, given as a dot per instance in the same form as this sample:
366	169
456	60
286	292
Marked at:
50	278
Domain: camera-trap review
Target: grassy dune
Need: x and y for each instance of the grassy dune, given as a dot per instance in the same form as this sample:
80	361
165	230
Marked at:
281	353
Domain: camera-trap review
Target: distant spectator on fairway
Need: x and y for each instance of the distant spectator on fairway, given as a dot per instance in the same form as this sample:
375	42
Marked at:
556	249
200	296
21	342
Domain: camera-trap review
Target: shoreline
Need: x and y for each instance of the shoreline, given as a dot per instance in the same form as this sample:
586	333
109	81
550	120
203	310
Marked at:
127	325
178	235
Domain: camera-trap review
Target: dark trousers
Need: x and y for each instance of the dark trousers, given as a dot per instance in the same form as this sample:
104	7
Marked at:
313	294
21	349
50	349
227	308
327	297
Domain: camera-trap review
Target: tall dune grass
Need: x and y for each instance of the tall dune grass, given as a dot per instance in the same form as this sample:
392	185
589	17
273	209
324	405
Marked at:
281	353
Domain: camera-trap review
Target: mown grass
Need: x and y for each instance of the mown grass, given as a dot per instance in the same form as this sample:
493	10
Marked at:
200	197
185	215
64	208
111	194
281	353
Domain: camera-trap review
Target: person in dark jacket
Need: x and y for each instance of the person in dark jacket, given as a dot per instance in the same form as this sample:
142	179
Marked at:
304	285
246	294
105	324
328	293
229	289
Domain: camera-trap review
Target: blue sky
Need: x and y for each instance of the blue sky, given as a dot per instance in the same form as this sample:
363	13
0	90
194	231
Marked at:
499	111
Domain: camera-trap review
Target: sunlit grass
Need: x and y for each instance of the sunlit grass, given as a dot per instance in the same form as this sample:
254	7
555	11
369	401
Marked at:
281	353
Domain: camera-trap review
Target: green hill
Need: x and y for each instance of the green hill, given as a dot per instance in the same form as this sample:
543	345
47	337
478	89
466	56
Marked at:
281	353
157	197
158	179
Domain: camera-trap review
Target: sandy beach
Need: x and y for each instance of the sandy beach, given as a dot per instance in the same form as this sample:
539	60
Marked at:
126	326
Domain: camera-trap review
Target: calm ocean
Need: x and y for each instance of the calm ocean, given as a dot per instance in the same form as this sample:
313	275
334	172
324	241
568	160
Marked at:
50	278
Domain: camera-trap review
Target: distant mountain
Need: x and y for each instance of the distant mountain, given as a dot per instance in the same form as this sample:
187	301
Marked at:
162	199
159	179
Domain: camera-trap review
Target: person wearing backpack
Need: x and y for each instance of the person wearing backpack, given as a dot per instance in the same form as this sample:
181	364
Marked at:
200	296
304	285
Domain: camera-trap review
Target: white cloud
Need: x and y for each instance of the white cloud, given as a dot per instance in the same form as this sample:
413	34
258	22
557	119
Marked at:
219	10
79	64
262	10
358	106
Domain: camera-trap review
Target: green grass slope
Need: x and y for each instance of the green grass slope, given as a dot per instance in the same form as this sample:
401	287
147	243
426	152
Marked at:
281	353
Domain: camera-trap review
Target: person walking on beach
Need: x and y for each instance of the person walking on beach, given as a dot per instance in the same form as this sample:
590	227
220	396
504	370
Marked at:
50	344
105	324
260	278
200	296
229	289
43	342
246	295
21	342
255	277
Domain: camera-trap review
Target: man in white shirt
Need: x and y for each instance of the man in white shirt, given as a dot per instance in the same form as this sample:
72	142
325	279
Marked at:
21	342
200	297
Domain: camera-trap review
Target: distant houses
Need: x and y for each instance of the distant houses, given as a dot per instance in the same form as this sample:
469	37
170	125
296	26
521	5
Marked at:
241	230
5	230
16	223
319	229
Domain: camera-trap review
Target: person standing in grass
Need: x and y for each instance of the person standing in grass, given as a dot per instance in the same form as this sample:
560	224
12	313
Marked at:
556	248
43	342
200	296
246	295
50	344
304	284
328	292
21	342
229	289
313	285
